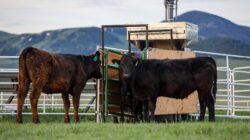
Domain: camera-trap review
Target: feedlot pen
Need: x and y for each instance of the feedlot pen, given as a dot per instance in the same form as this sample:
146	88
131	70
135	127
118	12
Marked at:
232	100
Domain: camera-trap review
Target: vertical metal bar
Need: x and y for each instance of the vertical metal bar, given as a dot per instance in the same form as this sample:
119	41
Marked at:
106	83
176	8
103	87
53	102
44	99
171	37
97	101
147	36
233	98
1	97
228	87
129	45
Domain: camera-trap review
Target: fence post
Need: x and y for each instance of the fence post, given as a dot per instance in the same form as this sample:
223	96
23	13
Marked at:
52	102
44	98
1	97
232	92
229	104
97	101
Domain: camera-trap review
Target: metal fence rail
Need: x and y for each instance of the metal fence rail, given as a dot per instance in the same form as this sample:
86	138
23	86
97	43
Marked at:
233	94
49	104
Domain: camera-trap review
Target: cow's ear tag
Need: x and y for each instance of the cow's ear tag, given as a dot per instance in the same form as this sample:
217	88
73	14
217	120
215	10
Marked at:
116	65
95	58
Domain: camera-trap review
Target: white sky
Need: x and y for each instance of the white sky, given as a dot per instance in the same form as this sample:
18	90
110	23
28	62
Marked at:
28	16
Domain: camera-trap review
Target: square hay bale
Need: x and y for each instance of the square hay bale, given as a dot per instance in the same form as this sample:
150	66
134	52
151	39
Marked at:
165	105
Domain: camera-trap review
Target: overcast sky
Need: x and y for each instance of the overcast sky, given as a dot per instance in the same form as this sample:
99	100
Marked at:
29	16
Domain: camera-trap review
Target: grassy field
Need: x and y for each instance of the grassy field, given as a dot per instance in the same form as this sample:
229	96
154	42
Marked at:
53	128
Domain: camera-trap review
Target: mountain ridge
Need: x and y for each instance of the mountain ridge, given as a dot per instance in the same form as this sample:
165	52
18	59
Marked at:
211	25
223	33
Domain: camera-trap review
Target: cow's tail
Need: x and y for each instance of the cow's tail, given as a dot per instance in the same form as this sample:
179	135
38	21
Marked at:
23	83
215	79
23	76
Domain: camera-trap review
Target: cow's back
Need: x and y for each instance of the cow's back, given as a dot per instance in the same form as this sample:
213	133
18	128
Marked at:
56	72
173	78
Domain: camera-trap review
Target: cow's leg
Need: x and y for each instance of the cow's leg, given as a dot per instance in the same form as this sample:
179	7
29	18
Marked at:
123	94
21	95
210	105
34	96
76	99
151	105
66	103
136	109
202	101
146	111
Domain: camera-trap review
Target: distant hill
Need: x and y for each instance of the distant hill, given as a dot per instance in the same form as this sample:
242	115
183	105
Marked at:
5	35
217	34
223	45
214	26
74	40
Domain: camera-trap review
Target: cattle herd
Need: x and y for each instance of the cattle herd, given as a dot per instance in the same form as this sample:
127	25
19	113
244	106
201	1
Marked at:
141	81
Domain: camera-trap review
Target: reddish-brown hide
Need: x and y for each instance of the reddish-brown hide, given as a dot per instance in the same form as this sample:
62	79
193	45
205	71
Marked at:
54	73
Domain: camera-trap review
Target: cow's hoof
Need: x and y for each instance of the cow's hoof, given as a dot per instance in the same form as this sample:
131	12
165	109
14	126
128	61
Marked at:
66	121
36	121
122	120
77	120
19	121
211	120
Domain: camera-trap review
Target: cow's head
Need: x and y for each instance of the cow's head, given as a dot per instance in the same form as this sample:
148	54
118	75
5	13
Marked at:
96	67
126	65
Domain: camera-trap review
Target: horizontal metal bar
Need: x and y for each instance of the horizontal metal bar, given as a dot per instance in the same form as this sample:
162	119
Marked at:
7	57
16	83
234	96
124	25
239	68
222	54
239	84
41	105
227	116
49	113
242	101
244	80
143	31
9	70
8	83
240	71
116	49
241	91
222	80
55	94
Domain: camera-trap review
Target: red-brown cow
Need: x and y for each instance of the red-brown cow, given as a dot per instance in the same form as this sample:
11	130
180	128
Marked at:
54	73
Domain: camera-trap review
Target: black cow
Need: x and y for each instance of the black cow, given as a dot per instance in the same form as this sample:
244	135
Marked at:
54	73
126	65
176	79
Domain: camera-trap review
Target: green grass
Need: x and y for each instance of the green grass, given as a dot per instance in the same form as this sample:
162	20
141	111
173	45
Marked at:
53	128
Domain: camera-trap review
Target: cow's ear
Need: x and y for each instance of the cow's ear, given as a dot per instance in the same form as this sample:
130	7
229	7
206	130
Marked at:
96	57
97	53
116	61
